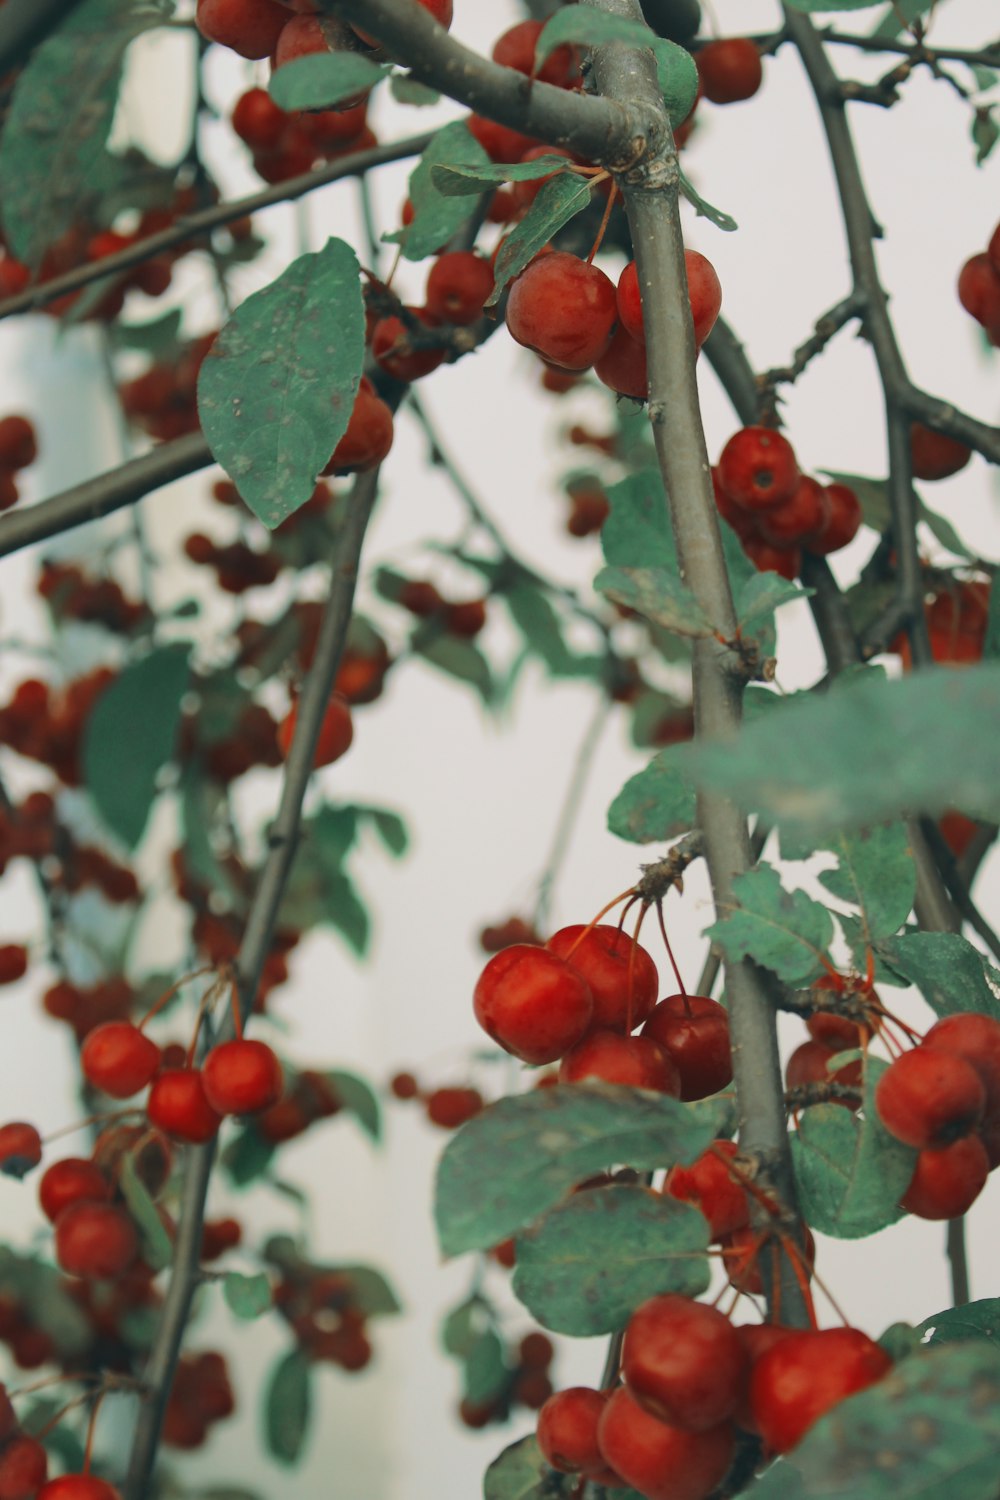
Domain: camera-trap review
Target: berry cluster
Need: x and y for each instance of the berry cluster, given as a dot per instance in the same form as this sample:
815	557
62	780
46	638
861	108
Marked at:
71	594
284	31
776	511
309	1097
201	1395
979	288
526	1383
47	725
422	599
447	1107
164	400
325	1307
286	144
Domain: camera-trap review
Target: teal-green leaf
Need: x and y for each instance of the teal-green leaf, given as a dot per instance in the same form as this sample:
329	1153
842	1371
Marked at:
658	596
821	763
588	1263
435	217
390	828
247	1296
521	1473
875	872
533	614
654	805
323	80
761	595
706	210
275	393
247	1156
521	1155
407	90
815	6
637	532
370	1292
931	1427
558	201
157	1247
850	1173
130	735
459	182
359	1099
347	913
459	659
58	121
947	970
974	1320
485	1374
786	931
288	1406
580	24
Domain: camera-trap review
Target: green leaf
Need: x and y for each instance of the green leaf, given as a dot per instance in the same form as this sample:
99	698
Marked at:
323	80
850	1173
762	594
948	971
460	182
658	596
288	1406
247	1156
821	763
986	78
899	15
985	133
435	217
55	135
786	931
521	1473
157	1247
158	337
521	1155
675	69
815	6
654	805
462	1326
637	533
533	614
459	659
486	1373
589	1263
370	1292
930	1427
875	872
347	913
276	391
975	1320
359	1099
247	1296
558	201
406	90
706	210
390	828
945	532
130	735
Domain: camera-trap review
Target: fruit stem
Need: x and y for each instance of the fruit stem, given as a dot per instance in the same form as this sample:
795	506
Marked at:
670	955
602	227
172	991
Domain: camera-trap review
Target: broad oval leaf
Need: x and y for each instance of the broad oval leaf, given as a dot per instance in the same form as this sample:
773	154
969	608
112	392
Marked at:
524	1153
275	393
521	1473
949	972
637	531
288	1406
974	1320
590	1262
359	1099
654	805
130	735
656	595
323	79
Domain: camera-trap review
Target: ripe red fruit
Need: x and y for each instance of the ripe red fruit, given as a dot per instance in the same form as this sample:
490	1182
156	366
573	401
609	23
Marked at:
841	524
95	1240
178	1106
393	348
368	437
563	309
20	1148
119	1059
684	1362
465	619
797	520
404	1086
457	286
769	559
13	962
78	1487
729	70
335	735
743	1252
704	292
533	1003
242	1077
567	1430
450	1108
947	1182
500	142
612	964
662	1462
8	1416
258	121
249	27
622	367
440	10
708	1184
979	290
975	1038
23	1467
516	49
18	443
757	468
632	1061
809	1063
804	1375
935	455
70	1180
694	1029
929	1098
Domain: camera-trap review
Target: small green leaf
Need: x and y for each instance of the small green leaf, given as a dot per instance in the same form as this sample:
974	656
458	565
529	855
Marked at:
486	1373
654	805
658	596
533	614
580	24
945	532
435	217
390	828
323	80
786	931
247	1296
462	1326
875	872
130	735
406	90
637	532
974	1320
460	182
288	1406
706	210
949	972
359	1099
558	201
247	1156
370	1292
521	1473
459	659
157	337
985	133
589	1263
347	913
157	1248
762	594
522	1154
277	388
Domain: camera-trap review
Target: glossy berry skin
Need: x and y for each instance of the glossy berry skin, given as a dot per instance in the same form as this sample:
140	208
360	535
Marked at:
563	309
249	27
929	1098
78	1487
258	121
242	1077
20	1148
119	1059
368	438
730	70
18	443
757	468
532	1003
23	1467
335	736
69	1181
178	1106
979	290
842	522
440	10
450	1108
976	1038
684	1362
711	1188
704	292
935	455
458	284
810	1063
95	1240
567	1430
660	1461
394	351
515	48
797	520
630	1061
610	962
798	1380
694	1029
622	367
946	1183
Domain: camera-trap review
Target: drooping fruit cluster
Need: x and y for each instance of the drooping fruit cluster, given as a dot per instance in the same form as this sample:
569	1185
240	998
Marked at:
521	1372
47	725
448	1107
72	594
271	28
463	618
979	288
287	143
943	1099
776	511
240	1077
18	449
328	1309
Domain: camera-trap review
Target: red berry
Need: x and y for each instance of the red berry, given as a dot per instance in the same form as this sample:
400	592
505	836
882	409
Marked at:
335	735
535	1351
563	309
934	454
711	1187
622	367
457	286
842	522
979	290
78	1487
515	48
119	1059
498	141
809	1063
631	1061
404	1086
368	437
757	468
621	974
975	1038
946	1183
694	1029
242	1077
259	121
704	292
13	962
450	1108
798	1380
8	1416
834	1031
20	1148
742	1252
23	1467
729	70
567	1430
393	348
929	1098
440	10
178	1106
249	27
95	1240
684	1362
662	1462
797	520
70	1180
533	1003
18	444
